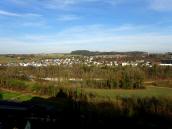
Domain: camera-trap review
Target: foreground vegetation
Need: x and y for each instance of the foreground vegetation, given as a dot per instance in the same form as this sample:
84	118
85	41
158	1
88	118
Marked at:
85	97
93	94
76	109
94	82
15	96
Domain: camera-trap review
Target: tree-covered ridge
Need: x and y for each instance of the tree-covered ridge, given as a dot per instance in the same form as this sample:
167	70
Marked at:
93	53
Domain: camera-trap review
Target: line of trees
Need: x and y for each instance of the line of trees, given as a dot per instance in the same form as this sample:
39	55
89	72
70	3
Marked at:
85	76
96	77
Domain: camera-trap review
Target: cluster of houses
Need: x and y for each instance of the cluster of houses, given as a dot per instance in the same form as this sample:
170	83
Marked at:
86	60
167	62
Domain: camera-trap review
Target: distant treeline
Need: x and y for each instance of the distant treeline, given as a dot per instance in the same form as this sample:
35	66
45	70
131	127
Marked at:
93	53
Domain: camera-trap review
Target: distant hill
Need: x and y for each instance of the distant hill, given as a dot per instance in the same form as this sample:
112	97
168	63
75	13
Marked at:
93	53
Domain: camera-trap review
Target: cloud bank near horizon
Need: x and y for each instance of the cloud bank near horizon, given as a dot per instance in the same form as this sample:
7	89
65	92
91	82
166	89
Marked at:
47	26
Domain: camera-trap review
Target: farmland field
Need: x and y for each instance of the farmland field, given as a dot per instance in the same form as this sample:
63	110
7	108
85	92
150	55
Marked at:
110	94
150	91
14	96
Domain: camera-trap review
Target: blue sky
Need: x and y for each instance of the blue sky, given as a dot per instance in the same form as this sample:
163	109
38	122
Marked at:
48	26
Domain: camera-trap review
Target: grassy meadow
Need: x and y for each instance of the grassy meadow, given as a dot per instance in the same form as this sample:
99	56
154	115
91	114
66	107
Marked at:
150	91
101	94
4	59
15	96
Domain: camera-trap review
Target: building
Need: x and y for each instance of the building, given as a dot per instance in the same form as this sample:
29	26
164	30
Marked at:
167	62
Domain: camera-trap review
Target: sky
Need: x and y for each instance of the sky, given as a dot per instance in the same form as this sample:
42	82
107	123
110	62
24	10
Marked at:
61	26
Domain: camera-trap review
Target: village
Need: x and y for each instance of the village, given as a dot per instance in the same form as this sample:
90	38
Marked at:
84	60
89	61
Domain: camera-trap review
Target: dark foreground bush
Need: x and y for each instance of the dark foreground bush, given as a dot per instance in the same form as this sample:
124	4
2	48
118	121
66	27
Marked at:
70	110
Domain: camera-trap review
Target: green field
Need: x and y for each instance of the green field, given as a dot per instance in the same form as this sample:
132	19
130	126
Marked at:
100	94
141	93
5	59
14	96
27	58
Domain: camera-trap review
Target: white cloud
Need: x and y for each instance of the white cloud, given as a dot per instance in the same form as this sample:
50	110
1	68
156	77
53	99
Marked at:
161	5
61	4
22	20
67	4
68	17
158	5
142	42
93	37
13	14
6	13
34	24
18	2
17	46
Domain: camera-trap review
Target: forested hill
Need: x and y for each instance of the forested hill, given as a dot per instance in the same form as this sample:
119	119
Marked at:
92	53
